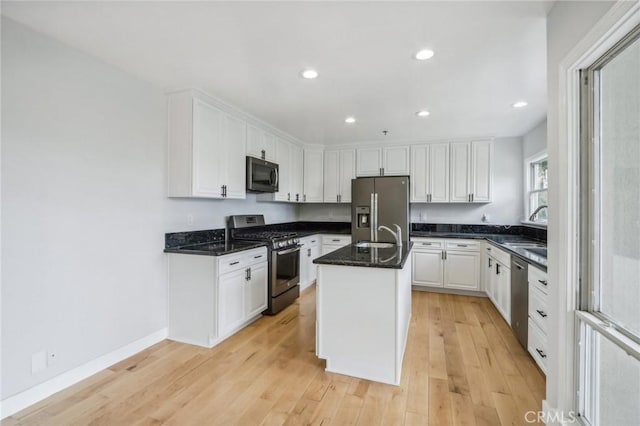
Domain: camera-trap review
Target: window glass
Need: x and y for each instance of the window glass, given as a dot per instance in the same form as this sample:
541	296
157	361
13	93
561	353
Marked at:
539	175
620	188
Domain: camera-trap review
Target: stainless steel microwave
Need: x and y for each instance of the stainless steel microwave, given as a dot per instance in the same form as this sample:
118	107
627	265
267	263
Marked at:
262	175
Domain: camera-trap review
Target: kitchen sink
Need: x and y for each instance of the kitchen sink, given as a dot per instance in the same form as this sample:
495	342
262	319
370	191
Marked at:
373	244
540	251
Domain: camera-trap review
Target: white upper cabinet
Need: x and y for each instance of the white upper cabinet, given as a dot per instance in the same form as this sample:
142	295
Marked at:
313	176
481	157
387	161
339	170
260	143
471	171
430	173
296	161
206	149
283	158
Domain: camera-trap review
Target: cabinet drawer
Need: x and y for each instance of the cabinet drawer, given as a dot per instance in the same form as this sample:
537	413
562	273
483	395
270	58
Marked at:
427	244
538	279
463	245
499	255
241	260
341	240
537	345
538	311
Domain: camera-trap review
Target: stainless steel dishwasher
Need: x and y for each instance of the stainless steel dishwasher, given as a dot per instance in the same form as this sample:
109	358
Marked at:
520	300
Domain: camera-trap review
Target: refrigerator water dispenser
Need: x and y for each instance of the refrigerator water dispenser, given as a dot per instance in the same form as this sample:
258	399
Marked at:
363	215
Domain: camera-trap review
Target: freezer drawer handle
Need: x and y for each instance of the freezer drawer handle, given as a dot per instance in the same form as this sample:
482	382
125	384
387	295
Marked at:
543	282
541	313
542	354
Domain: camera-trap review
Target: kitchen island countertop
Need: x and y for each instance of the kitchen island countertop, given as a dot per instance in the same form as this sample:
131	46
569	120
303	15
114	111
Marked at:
368	257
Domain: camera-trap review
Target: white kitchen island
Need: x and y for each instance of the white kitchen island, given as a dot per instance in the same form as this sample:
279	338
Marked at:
363	299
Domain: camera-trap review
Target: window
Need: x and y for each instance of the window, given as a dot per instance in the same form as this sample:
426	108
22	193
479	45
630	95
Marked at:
609	315
537	188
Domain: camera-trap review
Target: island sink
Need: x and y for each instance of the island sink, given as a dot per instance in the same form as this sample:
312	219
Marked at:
374	244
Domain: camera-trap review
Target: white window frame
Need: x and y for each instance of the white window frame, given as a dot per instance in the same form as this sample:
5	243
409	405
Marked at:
528	185
564	161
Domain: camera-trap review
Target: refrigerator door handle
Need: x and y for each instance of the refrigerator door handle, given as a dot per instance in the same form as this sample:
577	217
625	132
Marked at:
372	221
375	216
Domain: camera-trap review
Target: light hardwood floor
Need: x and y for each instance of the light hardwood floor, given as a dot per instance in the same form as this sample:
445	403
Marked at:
462	366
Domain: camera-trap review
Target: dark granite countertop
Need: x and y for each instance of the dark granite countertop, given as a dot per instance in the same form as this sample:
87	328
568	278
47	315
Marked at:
216	248
392	258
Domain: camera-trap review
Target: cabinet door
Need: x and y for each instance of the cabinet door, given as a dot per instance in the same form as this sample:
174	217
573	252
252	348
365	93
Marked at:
462	270
269	146
235	134
427	268
503	291
460	169
283	153
296	162
395	161
481	152
256	290
347	173
313	271
438	170
419	173
313	176
304	264
369	162
331	176
231	300
208	150
255	141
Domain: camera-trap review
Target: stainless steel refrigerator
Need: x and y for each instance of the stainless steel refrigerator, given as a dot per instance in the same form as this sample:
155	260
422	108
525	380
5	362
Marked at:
379	201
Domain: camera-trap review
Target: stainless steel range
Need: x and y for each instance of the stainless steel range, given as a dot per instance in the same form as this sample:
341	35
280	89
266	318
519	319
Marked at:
284	258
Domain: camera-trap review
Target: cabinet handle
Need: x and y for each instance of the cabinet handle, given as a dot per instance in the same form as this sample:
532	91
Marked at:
308	252
489	262
297	197
497	269
488	248
337	198
462	245
246	274
336	241
380	171
304	197
257	257
445	255
234	263
383	171
222	191
541	352
472	196
288	196
543	282
427	244
313	241
264	154
249	273
541	313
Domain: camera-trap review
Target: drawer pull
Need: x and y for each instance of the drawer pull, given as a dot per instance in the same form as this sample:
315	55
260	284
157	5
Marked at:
336	241
541	313
257	257
313	241
462	245
234	263
427	244
541	352
489	248
543	282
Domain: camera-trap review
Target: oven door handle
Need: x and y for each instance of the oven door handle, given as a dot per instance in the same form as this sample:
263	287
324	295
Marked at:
292	250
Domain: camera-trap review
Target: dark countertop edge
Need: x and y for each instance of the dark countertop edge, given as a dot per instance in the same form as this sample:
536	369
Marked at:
179	250
491	238
363	264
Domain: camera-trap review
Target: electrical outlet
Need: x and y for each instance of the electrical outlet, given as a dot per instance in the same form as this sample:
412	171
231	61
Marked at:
52	357
485	217
38	362
189	219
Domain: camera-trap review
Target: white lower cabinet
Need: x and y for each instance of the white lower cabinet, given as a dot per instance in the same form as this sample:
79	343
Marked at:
334	242
453	264
538	317
210	297
309	251
498	280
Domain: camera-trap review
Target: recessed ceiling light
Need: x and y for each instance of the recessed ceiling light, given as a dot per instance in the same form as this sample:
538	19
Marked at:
310	74
520	104
424	54
350	120
422	113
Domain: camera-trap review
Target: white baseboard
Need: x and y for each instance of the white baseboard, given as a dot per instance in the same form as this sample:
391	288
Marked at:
22	400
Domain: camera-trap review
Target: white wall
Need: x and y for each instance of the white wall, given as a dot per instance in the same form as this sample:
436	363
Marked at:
535	140
84	209
567	24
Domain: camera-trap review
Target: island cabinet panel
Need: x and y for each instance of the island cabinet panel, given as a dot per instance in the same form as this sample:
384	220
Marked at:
365	340
212	297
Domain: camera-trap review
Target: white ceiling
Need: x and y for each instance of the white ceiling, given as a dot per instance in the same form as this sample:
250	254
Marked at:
487	56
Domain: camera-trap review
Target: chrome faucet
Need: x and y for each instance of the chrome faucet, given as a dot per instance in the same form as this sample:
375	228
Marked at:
397	235
535	212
